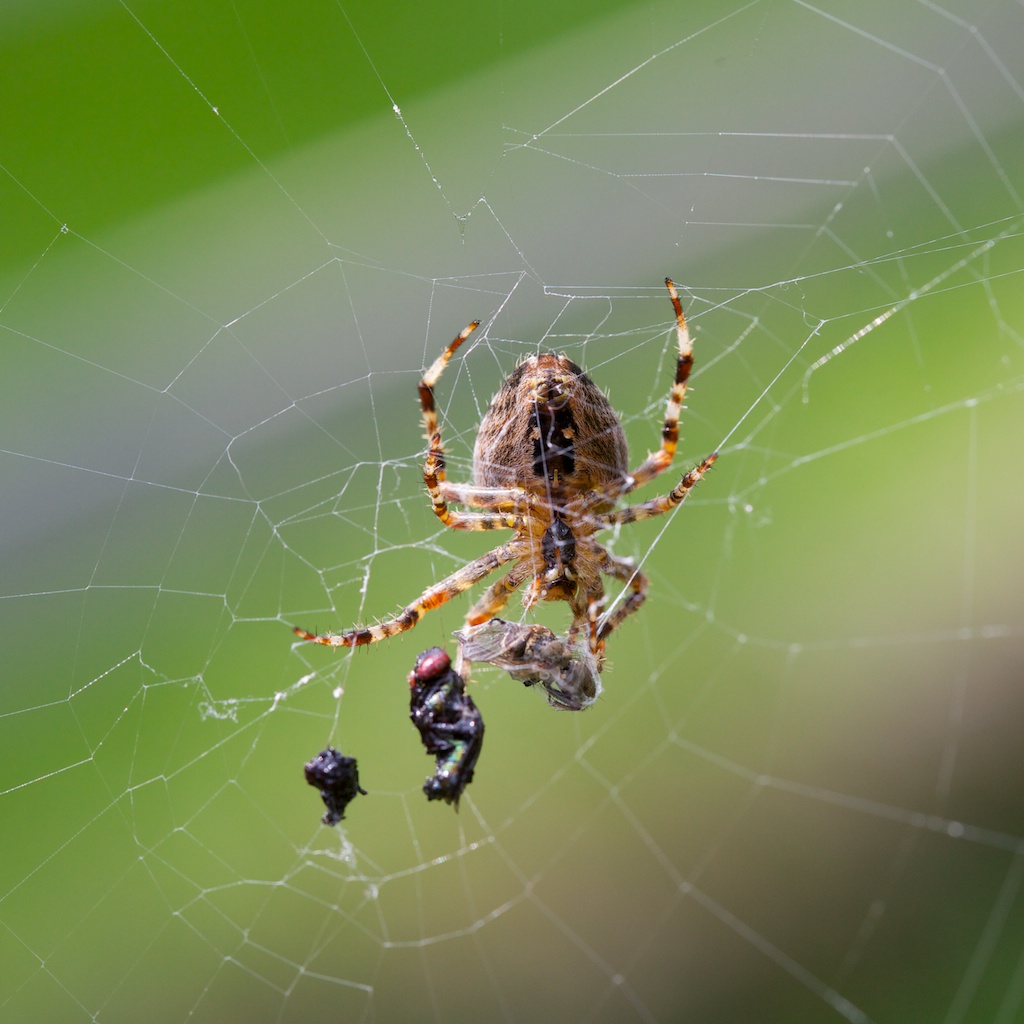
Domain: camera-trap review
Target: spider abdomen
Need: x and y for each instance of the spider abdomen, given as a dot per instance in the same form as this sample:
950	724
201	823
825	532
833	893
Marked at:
550	427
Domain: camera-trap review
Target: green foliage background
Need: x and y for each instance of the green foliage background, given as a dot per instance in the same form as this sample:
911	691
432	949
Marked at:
226	259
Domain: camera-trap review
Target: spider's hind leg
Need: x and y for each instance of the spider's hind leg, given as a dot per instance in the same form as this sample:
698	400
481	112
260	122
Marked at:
657	463
496	519
434	467
430	379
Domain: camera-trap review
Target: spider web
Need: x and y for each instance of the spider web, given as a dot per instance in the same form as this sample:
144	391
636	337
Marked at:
235	236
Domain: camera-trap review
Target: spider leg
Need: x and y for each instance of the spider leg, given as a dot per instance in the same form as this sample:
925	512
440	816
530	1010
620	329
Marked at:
434	468
657	506
586	614
489	604
498	499
623	570
496	596
431	598
662	458
430	379
586	618
433	477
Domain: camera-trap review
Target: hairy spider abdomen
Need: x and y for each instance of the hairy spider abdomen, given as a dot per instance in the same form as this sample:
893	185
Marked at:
564	437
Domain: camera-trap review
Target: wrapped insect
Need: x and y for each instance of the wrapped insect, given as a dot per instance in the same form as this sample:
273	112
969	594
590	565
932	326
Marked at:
337	778
449	724
533	654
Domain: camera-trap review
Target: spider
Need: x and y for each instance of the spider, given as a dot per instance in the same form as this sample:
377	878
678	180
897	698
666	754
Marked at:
550	463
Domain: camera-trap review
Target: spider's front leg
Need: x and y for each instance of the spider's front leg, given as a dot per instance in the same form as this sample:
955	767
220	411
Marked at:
431	598
624	571
494	599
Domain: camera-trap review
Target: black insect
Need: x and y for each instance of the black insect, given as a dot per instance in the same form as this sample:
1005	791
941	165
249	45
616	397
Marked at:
337	778
449	724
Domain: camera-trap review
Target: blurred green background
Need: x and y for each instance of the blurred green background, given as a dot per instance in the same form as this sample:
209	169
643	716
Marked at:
235	233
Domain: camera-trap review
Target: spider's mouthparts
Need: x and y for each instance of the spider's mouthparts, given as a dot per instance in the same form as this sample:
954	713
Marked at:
560	587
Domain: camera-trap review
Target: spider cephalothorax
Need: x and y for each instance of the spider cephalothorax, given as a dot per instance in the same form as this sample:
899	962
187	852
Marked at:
550	463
